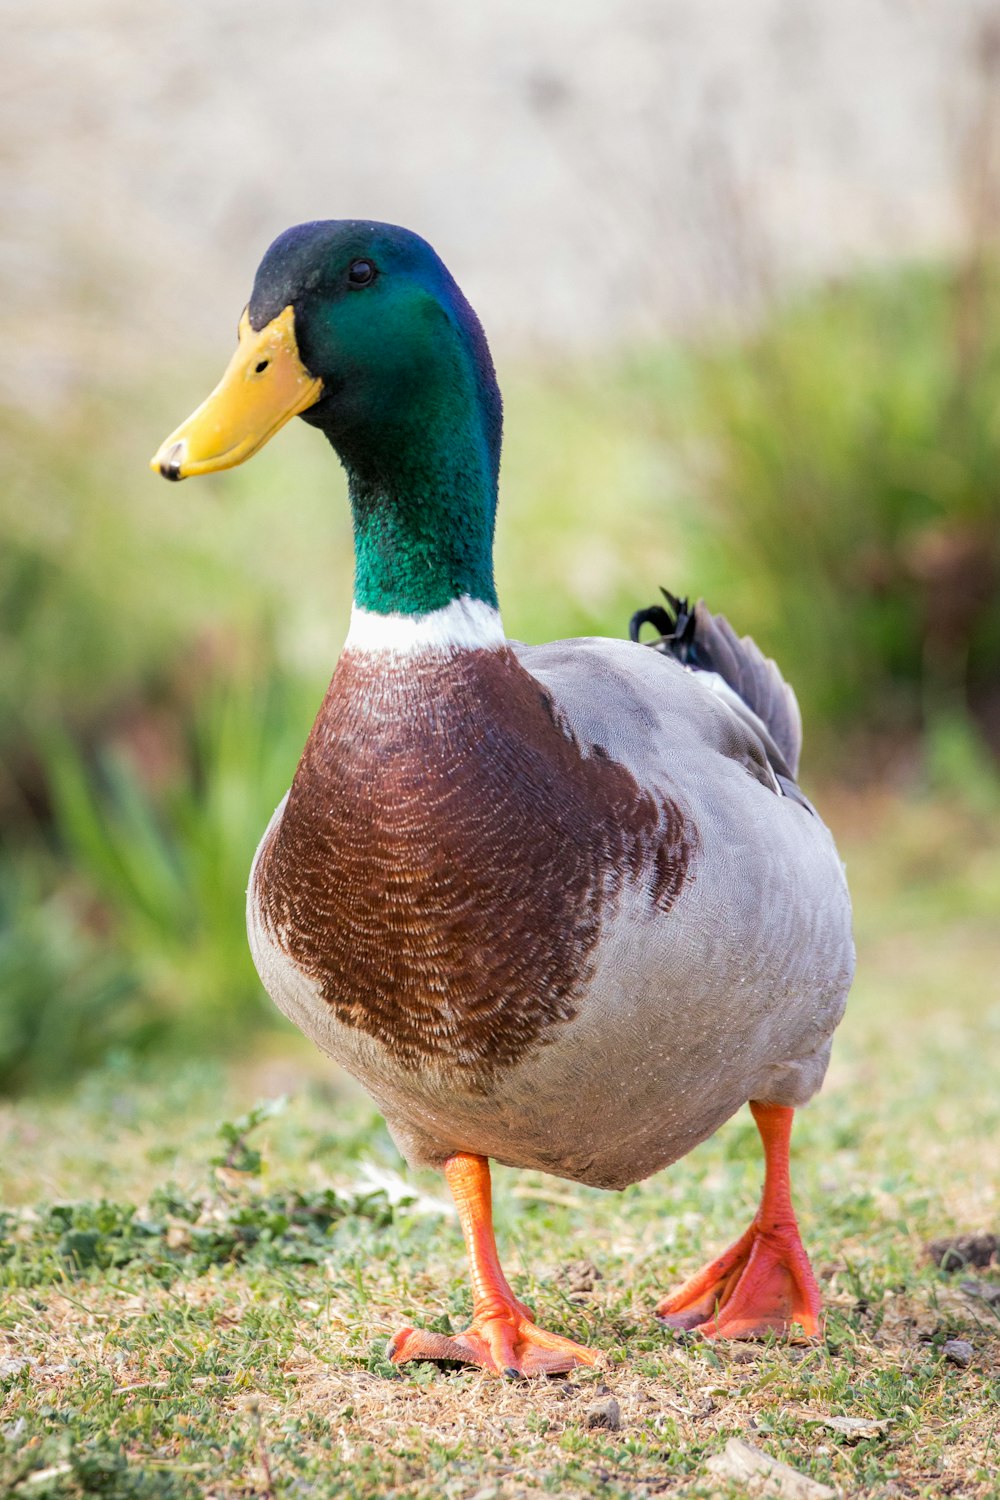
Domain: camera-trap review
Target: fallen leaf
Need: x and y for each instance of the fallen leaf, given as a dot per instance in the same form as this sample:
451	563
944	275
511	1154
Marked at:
375	1179
855	1427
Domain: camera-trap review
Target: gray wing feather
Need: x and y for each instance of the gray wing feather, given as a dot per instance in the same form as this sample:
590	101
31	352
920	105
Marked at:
708	643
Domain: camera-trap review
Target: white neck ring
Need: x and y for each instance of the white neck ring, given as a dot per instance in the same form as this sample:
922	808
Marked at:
465	624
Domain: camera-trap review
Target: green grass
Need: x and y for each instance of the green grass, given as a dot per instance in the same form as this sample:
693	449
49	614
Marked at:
180	1317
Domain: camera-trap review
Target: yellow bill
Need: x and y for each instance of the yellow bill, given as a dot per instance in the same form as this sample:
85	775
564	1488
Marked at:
265	385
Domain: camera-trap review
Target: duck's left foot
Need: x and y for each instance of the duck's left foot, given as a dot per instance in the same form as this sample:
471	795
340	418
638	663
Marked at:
762	1284
504	1341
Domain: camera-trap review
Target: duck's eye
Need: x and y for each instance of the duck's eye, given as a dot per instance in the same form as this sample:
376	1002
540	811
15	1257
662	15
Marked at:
361	272
261	366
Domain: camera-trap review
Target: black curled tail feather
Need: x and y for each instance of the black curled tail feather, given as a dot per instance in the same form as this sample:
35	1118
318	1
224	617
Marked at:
707	643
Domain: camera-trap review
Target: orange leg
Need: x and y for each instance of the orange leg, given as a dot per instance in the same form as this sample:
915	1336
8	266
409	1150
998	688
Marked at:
764	1283
502	1336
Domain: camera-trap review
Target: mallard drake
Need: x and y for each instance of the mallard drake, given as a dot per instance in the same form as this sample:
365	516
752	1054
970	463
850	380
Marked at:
560	906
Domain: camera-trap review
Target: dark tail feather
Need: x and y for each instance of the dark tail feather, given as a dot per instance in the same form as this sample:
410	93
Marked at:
707	643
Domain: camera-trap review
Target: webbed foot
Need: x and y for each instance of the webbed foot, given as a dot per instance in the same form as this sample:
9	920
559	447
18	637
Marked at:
503	1336
763	1283
504	1340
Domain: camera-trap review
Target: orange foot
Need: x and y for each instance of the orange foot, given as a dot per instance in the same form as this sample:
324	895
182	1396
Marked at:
505	1342
763	1283
502	1336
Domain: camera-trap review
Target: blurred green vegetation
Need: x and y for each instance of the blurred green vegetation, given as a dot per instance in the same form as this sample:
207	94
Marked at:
844	494
830	481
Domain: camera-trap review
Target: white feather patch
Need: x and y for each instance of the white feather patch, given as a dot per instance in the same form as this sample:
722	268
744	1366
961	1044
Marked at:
465	624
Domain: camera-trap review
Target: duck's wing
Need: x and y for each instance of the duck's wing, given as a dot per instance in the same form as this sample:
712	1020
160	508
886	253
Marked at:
696	695
754	958
735	668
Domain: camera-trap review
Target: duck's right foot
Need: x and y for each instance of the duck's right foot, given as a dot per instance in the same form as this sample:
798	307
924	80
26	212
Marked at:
503	1336
503	1341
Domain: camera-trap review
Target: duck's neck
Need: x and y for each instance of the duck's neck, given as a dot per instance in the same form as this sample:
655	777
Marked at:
424	504
423	534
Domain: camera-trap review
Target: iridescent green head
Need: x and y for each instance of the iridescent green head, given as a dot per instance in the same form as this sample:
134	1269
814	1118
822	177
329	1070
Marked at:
360	329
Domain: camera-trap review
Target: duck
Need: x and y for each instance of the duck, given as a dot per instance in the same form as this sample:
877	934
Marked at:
559	906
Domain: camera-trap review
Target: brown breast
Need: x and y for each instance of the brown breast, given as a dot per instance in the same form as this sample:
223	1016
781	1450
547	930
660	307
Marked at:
446	855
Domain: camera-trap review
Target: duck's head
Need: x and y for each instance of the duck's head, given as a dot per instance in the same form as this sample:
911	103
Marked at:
359	328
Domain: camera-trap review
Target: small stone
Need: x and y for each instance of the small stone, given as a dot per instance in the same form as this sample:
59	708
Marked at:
10	1369
759	1474
986	1291
604	1414
959	1351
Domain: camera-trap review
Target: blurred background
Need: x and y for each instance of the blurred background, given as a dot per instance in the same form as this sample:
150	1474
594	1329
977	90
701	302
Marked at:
738	263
